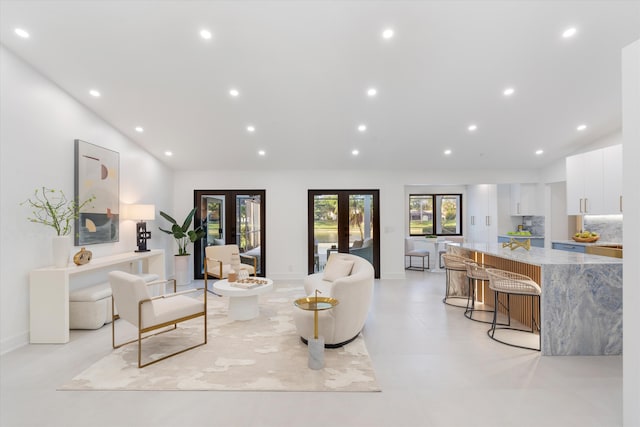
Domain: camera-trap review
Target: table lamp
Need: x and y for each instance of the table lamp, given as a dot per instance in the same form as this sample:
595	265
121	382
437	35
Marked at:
142	213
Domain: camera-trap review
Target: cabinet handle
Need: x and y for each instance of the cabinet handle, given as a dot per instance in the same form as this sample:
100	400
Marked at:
473	222
586	210
487	221
620	203
518	207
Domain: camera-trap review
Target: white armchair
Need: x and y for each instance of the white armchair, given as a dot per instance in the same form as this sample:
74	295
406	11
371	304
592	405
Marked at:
217	261
354	292
147	313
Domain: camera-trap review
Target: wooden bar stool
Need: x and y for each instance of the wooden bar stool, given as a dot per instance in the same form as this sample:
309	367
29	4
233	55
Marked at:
453	263
509	283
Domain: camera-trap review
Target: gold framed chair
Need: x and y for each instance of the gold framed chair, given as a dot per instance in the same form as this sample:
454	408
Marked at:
136	306
217	262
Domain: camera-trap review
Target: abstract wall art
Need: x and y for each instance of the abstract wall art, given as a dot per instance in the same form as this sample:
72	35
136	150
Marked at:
97	175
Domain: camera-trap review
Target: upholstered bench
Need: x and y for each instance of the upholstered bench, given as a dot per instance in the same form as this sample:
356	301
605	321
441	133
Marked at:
90	307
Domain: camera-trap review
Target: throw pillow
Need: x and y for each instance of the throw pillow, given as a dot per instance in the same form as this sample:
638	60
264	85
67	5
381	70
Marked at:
336	269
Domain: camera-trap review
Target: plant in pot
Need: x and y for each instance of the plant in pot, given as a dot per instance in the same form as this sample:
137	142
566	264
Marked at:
183	236
52	208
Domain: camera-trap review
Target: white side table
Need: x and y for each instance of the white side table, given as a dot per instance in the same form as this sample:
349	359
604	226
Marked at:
243	303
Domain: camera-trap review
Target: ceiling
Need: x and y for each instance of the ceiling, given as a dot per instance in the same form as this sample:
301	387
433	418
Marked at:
302	70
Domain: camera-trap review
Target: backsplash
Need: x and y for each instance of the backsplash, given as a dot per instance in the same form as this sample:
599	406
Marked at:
537	225
609	227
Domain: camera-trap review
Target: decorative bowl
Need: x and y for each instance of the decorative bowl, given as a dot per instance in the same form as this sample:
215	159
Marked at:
586	239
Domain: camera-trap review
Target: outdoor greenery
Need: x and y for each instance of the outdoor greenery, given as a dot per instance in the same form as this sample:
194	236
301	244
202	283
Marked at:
421	212
52	208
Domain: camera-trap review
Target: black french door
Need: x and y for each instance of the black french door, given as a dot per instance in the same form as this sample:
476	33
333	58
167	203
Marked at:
346	221
230	217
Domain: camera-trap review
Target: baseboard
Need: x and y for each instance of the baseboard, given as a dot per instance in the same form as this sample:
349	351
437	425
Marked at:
14	342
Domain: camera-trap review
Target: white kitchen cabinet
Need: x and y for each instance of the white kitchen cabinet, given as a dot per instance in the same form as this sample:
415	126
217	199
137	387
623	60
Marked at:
585	183
525	200
612	179
482	213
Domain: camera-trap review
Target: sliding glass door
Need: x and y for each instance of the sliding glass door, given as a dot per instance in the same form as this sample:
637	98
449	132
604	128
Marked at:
344	221
230	217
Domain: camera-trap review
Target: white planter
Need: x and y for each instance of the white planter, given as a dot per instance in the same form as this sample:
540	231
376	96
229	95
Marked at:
61	246
181	269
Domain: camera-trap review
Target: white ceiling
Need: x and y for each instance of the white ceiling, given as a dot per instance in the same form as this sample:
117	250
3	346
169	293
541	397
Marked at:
302	69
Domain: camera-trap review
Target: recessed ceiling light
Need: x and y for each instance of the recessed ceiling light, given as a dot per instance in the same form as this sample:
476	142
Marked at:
205	34
234	92
362	128
508	91
372	92
472	128
355	152
94	92
538	152
447	152
139	129
387	34
581	128
262	153
569	32
251	128
22	33
168	153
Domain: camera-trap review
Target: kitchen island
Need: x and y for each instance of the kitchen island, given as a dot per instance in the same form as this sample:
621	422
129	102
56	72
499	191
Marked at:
581	302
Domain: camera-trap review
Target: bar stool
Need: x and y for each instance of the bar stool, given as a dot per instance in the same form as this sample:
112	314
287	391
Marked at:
453	263
475	272
509	283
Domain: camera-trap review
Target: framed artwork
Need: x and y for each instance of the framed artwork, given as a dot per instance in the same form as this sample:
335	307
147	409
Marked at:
97	174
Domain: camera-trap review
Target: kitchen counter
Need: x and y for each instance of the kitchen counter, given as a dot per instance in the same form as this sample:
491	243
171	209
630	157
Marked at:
596	243
518	236
581	301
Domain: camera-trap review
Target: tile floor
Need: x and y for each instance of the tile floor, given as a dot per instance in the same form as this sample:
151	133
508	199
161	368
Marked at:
435	367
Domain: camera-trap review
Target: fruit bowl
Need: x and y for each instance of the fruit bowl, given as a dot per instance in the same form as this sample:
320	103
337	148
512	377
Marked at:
586	239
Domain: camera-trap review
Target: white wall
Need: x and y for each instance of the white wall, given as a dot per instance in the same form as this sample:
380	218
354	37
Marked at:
631	232
39	123
286	205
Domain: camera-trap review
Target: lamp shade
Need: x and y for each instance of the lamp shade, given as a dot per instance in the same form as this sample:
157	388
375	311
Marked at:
141	212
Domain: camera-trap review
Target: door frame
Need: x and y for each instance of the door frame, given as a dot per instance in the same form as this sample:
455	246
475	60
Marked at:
343	218
230	224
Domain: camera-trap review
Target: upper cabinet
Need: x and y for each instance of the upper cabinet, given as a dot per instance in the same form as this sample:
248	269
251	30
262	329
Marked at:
612	179
526	200
594	182
482	213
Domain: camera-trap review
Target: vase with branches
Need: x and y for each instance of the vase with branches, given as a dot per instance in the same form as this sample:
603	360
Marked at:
52	208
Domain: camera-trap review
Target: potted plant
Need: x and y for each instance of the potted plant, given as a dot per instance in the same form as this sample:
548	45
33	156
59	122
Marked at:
182	236
52	208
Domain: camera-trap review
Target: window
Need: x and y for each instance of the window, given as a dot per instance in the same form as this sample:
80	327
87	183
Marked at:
435	214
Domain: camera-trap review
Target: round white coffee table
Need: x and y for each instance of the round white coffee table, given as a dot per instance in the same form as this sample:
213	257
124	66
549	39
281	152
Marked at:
243	303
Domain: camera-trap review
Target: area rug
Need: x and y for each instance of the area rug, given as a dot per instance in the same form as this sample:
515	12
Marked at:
262	354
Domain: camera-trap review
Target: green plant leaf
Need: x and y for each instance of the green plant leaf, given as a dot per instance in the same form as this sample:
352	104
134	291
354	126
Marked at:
168	218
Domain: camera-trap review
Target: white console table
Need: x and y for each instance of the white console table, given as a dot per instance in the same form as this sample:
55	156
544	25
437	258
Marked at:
49	291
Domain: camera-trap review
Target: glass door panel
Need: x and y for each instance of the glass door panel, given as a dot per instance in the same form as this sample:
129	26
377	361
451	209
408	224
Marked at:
325	229
213	222
248	229
361	226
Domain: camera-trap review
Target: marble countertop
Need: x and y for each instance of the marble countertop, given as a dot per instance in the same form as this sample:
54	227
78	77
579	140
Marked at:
517	236
538	256
573	242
